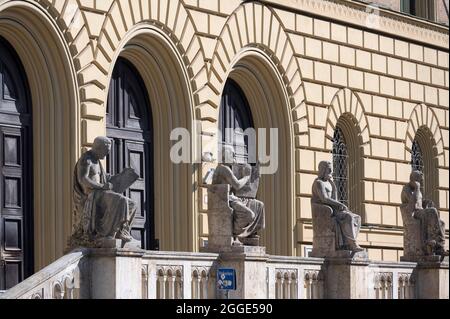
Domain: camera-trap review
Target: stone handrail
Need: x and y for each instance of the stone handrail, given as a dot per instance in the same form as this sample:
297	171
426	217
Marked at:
120	273
59	280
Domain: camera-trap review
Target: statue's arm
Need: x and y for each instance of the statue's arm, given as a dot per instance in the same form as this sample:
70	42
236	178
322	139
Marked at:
334	191
406	196
410	197
83	175
230	179
321	193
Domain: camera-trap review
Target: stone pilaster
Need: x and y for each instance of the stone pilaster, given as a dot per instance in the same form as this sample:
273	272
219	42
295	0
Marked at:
433	279
347	277
250	264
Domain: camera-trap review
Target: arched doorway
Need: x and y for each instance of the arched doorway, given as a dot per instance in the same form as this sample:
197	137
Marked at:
16	200
269	106
129	125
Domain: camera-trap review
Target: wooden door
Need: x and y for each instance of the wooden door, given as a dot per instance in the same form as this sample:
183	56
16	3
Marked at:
16	160
129	125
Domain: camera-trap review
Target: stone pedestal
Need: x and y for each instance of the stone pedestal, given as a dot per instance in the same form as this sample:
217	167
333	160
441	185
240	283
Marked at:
220	219
250	264
412	236
324	237
346	276
116	273
433	279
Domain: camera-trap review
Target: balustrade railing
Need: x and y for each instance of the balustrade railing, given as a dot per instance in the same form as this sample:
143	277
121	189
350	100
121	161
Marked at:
174	275
60	280
393	280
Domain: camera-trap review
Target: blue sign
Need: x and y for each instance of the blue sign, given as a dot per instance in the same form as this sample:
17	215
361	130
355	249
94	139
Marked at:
226	279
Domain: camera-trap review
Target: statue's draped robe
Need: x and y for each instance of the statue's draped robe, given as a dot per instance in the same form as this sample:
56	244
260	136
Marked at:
245	225
101	213
347	226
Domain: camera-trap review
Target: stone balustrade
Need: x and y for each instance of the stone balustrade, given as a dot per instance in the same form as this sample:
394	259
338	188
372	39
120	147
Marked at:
117	273
60	280
393	280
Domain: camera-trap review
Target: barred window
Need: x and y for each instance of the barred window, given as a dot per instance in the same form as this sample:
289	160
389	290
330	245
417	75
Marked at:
340	165
417	161
416	157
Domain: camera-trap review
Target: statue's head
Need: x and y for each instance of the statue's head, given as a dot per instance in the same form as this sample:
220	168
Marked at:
101	147
227	155
325	170
416	176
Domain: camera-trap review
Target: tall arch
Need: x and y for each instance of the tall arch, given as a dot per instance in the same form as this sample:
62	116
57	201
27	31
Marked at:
154	54
54	98
262	60
424	130
346	115
424	151
260	81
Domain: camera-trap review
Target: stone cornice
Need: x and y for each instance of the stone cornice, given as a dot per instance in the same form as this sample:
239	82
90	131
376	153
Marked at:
372	18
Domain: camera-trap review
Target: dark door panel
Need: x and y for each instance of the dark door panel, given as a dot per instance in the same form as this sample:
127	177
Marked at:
234	118
16	245
129	125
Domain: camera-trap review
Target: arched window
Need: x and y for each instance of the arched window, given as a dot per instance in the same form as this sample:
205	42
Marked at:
340	165
423	158
347	166
234	118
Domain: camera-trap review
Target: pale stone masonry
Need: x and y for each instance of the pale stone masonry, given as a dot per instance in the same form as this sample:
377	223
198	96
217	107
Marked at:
317	60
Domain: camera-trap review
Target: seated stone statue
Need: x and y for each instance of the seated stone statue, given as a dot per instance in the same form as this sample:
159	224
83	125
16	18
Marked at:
335	227
248	212
424	230
101	213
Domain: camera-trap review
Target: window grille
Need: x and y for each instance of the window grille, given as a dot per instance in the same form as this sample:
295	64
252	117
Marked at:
417	163
340	166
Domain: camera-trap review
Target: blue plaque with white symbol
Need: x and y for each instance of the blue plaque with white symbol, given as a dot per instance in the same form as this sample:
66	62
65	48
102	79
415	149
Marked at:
226	279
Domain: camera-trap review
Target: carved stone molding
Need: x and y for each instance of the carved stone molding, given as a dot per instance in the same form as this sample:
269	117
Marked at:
364	14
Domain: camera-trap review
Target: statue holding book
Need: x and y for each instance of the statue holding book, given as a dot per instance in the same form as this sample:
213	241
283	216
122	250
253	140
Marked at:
240	182
102	214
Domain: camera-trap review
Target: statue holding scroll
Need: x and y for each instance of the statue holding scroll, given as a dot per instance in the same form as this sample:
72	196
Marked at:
424	230
248	212
335	227
102	213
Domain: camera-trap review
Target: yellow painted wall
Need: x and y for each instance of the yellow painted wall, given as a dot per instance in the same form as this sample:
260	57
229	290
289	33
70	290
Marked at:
391	72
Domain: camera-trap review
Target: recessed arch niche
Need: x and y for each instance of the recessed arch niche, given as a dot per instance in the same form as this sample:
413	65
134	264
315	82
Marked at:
154	54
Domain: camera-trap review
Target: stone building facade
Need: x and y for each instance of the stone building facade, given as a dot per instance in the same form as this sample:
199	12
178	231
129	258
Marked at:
307	67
